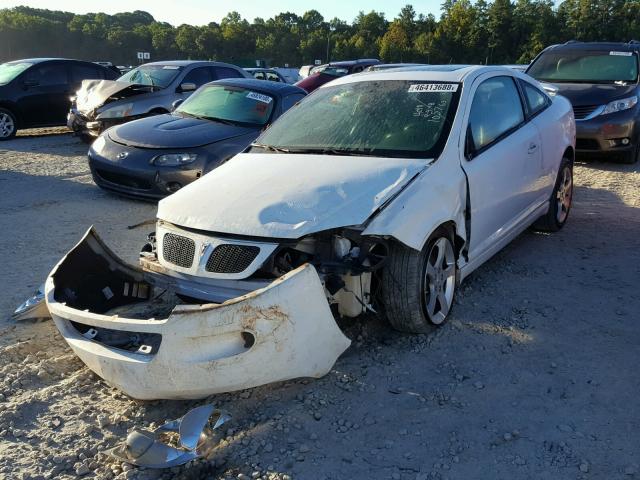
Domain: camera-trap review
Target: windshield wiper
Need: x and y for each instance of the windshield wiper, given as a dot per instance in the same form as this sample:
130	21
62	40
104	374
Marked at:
271	148
333	151
221	120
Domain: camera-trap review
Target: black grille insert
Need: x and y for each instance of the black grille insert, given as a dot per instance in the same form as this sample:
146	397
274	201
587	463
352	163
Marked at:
583	111
587	144
231	258
178	250
124	180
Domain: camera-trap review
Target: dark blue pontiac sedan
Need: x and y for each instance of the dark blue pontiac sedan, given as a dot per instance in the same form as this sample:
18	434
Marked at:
153	157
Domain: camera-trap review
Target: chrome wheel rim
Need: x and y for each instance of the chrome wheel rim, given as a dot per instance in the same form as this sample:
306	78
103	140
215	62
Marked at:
439	280
563	197
6	125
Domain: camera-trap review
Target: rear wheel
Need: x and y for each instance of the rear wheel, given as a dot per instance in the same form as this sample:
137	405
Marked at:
418	287
8	124
560	201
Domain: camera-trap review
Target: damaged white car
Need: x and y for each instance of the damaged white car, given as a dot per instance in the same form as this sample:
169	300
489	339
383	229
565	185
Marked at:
381	192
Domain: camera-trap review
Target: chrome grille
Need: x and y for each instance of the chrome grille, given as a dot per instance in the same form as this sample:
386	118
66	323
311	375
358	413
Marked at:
178	250
231	258
583	111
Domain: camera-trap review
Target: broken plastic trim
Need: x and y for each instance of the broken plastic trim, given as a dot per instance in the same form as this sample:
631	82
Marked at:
33	308
280	331
146	449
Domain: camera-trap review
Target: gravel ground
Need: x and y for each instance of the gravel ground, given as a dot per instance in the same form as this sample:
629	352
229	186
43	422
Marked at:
534	375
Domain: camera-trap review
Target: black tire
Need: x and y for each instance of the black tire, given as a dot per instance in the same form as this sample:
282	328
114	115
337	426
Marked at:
8	124
405	285
558	215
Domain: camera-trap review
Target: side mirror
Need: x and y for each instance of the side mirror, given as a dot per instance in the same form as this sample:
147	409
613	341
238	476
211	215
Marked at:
176	104
187	87
30	82
469	145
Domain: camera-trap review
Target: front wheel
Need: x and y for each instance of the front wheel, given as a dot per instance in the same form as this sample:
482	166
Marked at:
8	124
418	287
560	201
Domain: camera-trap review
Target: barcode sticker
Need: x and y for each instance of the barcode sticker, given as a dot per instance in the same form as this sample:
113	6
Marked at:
433	87
259	97
622	54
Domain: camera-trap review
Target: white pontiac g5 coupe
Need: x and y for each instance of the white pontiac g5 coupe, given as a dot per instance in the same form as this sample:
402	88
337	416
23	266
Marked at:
381	192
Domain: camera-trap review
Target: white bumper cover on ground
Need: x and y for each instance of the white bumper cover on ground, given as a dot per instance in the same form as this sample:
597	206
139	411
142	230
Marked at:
283	331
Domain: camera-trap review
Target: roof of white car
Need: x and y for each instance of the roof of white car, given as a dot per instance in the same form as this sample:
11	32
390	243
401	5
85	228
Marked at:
438	73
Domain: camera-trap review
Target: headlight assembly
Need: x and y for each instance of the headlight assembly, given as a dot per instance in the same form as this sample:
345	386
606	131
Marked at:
117	111
620	105
174	159
98	144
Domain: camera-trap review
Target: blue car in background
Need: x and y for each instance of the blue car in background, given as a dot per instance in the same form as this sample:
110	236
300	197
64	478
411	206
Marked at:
153	157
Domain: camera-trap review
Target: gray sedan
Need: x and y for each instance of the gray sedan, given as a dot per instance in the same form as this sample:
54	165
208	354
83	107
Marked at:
149	89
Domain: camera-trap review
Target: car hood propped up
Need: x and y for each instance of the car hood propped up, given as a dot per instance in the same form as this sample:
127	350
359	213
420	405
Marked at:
95	93
172	131
288	195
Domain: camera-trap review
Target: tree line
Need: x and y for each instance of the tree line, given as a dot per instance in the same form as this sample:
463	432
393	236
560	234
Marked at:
497	32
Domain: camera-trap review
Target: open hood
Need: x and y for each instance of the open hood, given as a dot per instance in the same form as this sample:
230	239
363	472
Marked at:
288	195
173	131
95	93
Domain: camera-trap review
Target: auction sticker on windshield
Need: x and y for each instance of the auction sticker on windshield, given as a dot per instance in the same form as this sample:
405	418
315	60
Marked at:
623	54
433	87
259	97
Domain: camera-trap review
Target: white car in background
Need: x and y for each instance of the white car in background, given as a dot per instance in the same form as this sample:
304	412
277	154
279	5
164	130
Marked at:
381	191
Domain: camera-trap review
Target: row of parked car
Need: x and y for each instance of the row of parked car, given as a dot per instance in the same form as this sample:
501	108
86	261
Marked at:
380	191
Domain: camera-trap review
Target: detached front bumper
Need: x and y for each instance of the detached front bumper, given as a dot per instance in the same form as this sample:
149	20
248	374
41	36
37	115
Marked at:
282	331
83	125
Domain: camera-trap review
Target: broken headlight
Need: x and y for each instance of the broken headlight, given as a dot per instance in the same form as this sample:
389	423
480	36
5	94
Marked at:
174	159
117	111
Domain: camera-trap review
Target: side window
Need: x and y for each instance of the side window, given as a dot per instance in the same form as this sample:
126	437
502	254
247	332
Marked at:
290	100
48	74
199	76
84	72
259	75
357	69
273	77
536	100
224	72
495	110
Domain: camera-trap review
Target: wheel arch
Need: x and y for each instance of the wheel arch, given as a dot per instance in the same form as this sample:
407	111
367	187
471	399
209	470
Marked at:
569	153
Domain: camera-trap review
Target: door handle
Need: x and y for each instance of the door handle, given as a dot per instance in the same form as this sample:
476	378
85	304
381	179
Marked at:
532	148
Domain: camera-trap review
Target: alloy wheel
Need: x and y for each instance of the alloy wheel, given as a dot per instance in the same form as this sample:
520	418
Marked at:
7	125
439	280
564	195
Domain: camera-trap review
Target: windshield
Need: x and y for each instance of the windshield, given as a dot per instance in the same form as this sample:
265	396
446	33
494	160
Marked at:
331	70
585	67
229	104
10	70
389	118
153	75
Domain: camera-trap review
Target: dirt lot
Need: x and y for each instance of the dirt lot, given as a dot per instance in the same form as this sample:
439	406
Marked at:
534	376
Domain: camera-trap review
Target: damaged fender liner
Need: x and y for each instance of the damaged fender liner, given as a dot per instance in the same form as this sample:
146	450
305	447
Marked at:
204	349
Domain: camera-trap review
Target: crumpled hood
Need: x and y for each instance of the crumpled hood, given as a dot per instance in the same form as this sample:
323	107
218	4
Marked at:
94	93
173	131
288	195
583	94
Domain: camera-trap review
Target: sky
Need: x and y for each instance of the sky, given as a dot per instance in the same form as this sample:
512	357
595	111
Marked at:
201	12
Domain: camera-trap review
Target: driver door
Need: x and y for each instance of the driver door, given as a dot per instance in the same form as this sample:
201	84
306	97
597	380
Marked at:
502	162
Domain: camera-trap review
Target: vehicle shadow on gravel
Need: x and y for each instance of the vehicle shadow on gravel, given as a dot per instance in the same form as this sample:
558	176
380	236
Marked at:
610	166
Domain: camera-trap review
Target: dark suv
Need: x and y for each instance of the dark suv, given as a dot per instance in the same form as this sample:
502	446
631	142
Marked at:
601	81
35	92
325	73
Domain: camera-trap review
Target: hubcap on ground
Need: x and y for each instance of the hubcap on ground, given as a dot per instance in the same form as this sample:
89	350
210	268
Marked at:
6	125
565	192
439	280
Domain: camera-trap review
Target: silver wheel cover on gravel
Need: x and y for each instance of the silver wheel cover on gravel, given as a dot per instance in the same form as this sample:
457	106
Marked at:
439	280
564	195
6	125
